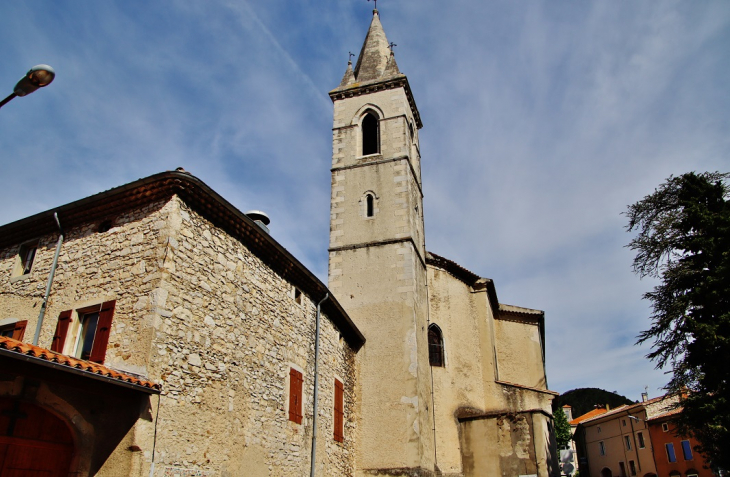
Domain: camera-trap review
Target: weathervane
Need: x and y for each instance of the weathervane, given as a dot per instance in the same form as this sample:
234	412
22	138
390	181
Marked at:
376	3
391	45
349	60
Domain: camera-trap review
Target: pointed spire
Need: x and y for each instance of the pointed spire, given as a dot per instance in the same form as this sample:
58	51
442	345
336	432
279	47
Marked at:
374	54
349	77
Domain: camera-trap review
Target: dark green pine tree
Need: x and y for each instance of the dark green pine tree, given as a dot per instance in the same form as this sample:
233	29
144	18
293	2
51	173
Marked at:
562	429
684	240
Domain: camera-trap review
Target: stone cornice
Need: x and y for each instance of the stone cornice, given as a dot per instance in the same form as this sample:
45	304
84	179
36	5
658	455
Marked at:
358	89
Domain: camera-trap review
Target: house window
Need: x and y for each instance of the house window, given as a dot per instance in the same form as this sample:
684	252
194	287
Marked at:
435	346
601	448
599	429
297	295
370	134
369	205
295	396
93	328
339	428
627	440
671	457
623	422
26	256
622	468
665	427
632	467
687	450
640	436
14	330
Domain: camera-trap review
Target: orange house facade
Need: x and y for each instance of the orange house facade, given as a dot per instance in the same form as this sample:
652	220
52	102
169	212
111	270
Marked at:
674	455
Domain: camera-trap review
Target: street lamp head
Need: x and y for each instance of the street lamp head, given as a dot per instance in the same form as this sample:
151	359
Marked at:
37	77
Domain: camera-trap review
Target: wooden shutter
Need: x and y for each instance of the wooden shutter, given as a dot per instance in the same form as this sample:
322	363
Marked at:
19	330
339	411
103	327
59	337
295	396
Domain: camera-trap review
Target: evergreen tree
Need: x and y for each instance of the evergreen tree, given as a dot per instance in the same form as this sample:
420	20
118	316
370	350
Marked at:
562	428
684	240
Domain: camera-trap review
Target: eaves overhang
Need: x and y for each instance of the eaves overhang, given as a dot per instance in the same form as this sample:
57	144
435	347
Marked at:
205	201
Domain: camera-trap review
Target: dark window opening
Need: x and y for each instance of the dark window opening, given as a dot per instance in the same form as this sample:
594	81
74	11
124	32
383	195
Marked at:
435	346
27	255
370	135
369	206
105	226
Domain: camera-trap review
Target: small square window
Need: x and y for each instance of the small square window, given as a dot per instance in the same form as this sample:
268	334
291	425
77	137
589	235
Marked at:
599	429
623	422
26	257
296	293
665	427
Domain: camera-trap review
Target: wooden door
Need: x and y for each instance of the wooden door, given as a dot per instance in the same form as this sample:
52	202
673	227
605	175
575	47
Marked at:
33	441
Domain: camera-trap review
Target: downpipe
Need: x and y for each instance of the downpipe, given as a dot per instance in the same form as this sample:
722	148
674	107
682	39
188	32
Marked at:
42	313
316	385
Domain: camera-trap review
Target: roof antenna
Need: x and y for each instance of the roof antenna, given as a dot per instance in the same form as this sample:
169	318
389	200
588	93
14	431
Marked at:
376	4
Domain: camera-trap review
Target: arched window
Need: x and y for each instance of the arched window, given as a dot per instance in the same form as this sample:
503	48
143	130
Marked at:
435	346
370	135
369	205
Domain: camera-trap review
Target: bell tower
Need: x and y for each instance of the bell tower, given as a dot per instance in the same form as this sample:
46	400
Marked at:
377	267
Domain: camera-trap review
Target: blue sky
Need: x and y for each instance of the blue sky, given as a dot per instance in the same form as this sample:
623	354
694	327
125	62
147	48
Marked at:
542	121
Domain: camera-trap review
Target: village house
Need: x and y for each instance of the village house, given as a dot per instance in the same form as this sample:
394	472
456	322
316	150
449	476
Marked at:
180	338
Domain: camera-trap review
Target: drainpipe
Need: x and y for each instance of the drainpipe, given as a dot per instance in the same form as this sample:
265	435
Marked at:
316	383
50	281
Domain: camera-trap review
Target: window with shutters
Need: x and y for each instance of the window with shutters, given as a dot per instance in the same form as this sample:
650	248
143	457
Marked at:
339	427
687	450
435	346
14	330
92	330
295	396
671	456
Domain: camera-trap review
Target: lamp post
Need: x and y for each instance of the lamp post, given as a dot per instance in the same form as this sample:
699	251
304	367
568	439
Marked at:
37	77
633	436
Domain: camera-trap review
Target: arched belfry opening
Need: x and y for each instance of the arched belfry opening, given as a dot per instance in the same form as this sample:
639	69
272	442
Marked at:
370	134
435	346
369	205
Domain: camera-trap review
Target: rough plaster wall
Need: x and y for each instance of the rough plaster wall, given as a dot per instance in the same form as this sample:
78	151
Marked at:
519	353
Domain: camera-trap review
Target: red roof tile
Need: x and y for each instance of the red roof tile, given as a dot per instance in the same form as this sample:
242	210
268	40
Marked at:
26	349
588	415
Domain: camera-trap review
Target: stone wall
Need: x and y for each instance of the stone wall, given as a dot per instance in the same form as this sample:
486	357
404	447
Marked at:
197	312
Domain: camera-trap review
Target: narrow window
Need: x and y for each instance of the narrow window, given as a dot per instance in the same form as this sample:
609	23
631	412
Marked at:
599	429
627	439
602	448
640	436
687	450
632	467
435	346
14	330
295	396
339	411
622	469
623	421
26	256
665	427
671	457
370	133
369	205
297	295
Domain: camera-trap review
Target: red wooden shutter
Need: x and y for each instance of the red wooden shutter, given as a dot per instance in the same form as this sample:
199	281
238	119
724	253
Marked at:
59	337
339	411
295	396
103	327
19	330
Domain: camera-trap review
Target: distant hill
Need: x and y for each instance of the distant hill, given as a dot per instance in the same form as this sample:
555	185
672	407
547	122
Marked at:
583	400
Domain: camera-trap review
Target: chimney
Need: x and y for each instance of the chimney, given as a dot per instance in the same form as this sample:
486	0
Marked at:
644	397
260	218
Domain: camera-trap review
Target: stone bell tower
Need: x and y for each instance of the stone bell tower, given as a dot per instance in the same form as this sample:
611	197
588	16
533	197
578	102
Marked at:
377	267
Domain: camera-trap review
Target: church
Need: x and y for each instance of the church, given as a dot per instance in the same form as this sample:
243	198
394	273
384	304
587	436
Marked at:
155	329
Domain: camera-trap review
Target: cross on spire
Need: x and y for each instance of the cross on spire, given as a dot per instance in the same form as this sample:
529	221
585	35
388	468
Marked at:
391	45
376	3
349	60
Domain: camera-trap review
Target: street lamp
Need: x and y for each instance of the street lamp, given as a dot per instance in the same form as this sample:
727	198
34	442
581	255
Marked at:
37	77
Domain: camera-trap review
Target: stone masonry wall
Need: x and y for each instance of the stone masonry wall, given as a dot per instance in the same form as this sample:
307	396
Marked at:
200	314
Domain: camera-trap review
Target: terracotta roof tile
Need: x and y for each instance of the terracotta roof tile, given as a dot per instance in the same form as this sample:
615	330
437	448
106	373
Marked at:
588	415
26	349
